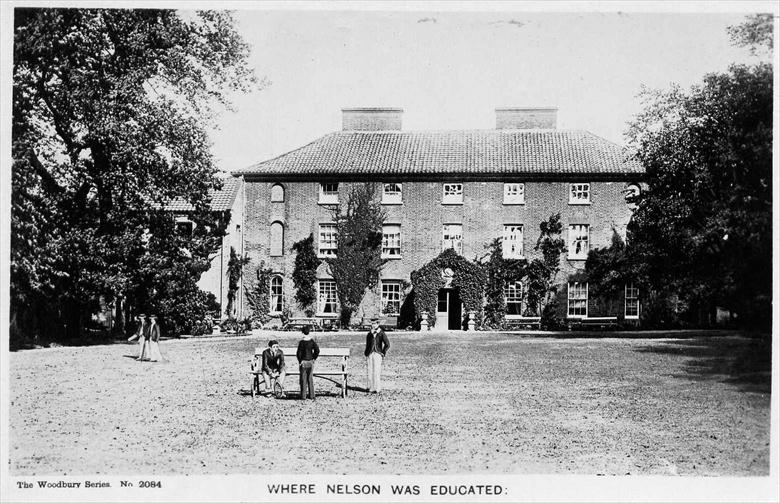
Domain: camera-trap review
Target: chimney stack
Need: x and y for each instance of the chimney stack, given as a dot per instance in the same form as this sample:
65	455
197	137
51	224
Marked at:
526	118
371	119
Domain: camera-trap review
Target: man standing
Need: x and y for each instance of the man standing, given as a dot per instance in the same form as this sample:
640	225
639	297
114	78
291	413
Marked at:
308	351
143	338
376	349
273	365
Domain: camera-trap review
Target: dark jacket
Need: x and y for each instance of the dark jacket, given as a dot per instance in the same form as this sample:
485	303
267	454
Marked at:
382	344
307	350
153	332
145	330
271	362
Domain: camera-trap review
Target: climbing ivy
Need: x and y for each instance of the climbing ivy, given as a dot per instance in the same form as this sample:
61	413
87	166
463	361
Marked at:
499	271
304	274
258	295
542	272
469	277
235	267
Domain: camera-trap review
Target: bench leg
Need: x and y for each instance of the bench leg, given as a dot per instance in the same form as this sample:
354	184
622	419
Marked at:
253	386
344	388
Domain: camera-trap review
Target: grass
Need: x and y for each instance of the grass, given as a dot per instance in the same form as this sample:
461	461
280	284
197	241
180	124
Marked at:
453	403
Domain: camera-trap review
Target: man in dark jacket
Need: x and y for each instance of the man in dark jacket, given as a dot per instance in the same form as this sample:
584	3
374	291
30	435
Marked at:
376	349
273	365
308	351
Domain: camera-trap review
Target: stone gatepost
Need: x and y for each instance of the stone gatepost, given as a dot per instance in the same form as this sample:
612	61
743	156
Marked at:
472	324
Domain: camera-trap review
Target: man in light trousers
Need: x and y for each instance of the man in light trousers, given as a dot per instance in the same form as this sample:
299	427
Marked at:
376	349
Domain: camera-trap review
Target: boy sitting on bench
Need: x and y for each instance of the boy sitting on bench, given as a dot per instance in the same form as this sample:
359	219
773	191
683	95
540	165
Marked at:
272	366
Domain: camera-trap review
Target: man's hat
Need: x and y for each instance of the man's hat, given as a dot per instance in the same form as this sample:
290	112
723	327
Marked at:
142	316
374	320
272	342
153	316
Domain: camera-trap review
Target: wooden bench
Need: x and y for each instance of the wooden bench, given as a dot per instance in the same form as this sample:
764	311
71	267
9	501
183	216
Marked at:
524	322
600	322
338	377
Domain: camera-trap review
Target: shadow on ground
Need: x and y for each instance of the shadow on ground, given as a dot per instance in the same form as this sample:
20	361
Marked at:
743	362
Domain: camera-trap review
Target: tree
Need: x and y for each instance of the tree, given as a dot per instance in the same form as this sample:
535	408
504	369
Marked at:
358	260
304	274
110	110
755	33
542	272
703	227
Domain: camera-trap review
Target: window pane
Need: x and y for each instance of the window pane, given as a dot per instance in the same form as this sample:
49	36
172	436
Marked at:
514	193
327	240
578	242
452	237
391	241
578	299
514	297
327	300
391	193
452	193
579	193
391	297
276	295
512	242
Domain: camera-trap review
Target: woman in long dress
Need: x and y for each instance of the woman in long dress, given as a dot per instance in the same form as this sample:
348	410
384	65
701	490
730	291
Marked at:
154	341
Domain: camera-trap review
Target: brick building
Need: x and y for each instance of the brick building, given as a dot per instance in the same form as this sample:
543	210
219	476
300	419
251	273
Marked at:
444	189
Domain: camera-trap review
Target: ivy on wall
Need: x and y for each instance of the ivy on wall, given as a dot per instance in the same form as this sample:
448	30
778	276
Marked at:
304	274
499	271
469	277
258	296
235	267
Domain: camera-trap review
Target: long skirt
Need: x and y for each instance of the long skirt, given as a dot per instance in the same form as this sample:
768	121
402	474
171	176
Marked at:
143	348
154	352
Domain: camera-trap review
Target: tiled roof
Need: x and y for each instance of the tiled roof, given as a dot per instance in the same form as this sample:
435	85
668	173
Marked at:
471	153
221	200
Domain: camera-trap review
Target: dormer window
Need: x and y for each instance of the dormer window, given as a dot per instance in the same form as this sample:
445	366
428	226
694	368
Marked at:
329	193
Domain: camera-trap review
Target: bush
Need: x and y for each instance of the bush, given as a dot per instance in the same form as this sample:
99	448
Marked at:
180	315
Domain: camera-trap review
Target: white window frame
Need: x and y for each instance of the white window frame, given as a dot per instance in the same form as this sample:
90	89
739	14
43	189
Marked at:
324	297
576	235
391	292
634	300
514	193
575	290
326	248
391	241
510	238
329	196
276	299
456	244
579	193
392	196
515	291
452	193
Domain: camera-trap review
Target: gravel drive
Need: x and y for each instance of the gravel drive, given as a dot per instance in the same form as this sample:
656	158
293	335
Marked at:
453	403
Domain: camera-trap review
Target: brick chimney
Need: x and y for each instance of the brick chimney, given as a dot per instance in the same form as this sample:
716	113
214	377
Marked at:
526	118
371	119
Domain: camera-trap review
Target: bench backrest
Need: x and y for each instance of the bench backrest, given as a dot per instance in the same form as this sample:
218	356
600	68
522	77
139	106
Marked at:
292	352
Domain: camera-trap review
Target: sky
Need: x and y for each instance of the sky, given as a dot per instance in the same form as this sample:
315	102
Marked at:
450	70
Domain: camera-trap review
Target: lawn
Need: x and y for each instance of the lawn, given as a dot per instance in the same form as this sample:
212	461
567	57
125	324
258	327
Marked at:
453	403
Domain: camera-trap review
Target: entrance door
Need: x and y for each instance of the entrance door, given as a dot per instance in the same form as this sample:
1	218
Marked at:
449	311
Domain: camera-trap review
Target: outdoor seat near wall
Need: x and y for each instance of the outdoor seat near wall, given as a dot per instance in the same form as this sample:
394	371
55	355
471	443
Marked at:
458	189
